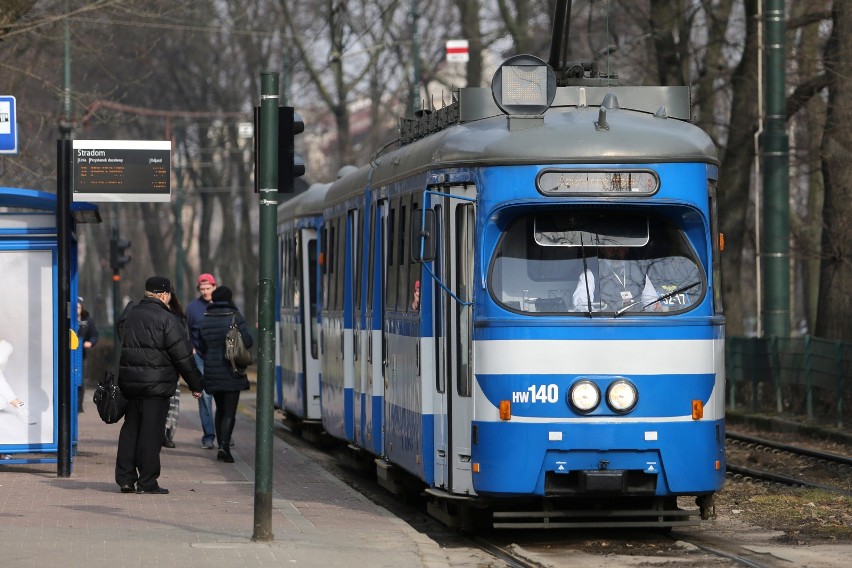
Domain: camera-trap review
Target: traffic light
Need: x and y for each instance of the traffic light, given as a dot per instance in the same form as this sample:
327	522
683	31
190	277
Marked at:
118	257
290	164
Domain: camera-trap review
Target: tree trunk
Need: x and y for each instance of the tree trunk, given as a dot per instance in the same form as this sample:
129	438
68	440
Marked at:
469	12
835	301
809	127
734	181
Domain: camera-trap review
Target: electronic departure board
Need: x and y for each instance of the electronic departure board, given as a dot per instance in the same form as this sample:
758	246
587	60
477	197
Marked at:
121	170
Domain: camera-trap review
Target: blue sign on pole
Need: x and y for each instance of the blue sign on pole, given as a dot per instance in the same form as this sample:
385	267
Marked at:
8	126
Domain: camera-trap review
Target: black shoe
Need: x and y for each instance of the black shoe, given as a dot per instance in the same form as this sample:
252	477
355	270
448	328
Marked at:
220	455
168	443
128	488
154	491
228	457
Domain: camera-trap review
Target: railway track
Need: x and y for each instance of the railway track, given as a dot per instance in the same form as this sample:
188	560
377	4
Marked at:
564	548
768	460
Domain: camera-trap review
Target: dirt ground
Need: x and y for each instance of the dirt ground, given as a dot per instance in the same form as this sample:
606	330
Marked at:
804	516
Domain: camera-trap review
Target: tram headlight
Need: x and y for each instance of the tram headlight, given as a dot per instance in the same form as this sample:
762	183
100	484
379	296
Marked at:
621	396
584	396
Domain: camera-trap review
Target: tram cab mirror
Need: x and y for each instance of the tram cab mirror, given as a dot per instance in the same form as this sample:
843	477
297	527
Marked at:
422	235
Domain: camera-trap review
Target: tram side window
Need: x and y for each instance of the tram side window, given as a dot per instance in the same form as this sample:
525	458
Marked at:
312	293
323	239
403	297
282	262
330	257
464	288
414	267
340	263
358	261
372	252
390	289
291	270
297	269
718	242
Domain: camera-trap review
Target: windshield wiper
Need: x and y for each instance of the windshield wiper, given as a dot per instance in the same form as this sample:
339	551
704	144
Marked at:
666	296
585	277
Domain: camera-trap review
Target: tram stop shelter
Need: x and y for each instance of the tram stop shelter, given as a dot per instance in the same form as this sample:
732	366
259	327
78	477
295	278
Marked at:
29	332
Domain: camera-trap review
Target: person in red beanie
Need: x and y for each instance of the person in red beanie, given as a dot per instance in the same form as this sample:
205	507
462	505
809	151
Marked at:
195	311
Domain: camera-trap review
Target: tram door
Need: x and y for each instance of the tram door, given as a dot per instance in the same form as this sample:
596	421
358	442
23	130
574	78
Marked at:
361	395
308	343
453	335
374	328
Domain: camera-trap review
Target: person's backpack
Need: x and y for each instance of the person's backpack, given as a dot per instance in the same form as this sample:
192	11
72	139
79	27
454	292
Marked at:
236	351
109	399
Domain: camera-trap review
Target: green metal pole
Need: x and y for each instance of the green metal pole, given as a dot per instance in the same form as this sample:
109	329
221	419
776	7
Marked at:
268	190
775	247
179	254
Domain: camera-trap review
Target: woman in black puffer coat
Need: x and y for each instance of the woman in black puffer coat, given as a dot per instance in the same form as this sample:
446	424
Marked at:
220	378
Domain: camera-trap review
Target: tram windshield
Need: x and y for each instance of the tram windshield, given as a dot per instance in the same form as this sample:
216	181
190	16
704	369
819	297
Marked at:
595	261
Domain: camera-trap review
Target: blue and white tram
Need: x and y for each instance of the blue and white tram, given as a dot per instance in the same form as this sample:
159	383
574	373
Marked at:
521	310
298	383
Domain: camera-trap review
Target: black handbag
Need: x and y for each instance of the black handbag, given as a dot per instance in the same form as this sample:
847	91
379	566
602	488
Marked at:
109	400
236	352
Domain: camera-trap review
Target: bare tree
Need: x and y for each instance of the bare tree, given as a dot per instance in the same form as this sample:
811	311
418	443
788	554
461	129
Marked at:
11	12
332	80
806	113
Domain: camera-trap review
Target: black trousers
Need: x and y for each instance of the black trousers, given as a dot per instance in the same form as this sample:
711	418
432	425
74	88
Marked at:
139	443
226	416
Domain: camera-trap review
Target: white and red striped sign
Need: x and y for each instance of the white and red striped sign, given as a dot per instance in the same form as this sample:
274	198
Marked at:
457	51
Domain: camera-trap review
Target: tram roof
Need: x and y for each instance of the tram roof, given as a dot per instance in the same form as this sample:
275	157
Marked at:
306	204
643	125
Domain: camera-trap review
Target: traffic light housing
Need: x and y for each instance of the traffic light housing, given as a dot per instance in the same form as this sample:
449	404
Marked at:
290	164
118	257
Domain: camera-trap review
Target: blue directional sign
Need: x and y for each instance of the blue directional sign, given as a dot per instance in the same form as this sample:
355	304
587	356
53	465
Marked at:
8	126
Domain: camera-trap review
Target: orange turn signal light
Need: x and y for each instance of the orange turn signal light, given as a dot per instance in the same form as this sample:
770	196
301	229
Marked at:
721	242
475	467
697	410
505	410
718	465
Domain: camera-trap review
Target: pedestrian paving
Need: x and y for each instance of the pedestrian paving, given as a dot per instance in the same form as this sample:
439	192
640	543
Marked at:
206	520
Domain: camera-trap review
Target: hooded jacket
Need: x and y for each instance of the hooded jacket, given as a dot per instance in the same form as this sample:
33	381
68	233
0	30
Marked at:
219	376
154	350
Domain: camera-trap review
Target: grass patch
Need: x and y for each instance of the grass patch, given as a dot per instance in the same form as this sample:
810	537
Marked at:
803	512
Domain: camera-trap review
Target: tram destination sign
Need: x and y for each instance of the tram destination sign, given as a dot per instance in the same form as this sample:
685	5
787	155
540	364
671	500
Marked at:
121	170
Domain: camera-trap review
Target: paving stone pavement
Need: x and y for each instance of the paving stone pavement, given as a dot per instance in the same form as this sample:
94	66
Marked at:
206	520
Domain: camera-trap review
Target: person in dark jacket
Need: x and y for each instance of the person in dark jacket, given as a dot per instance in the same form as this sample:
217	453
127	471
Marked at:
220	378
155	348
87	331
